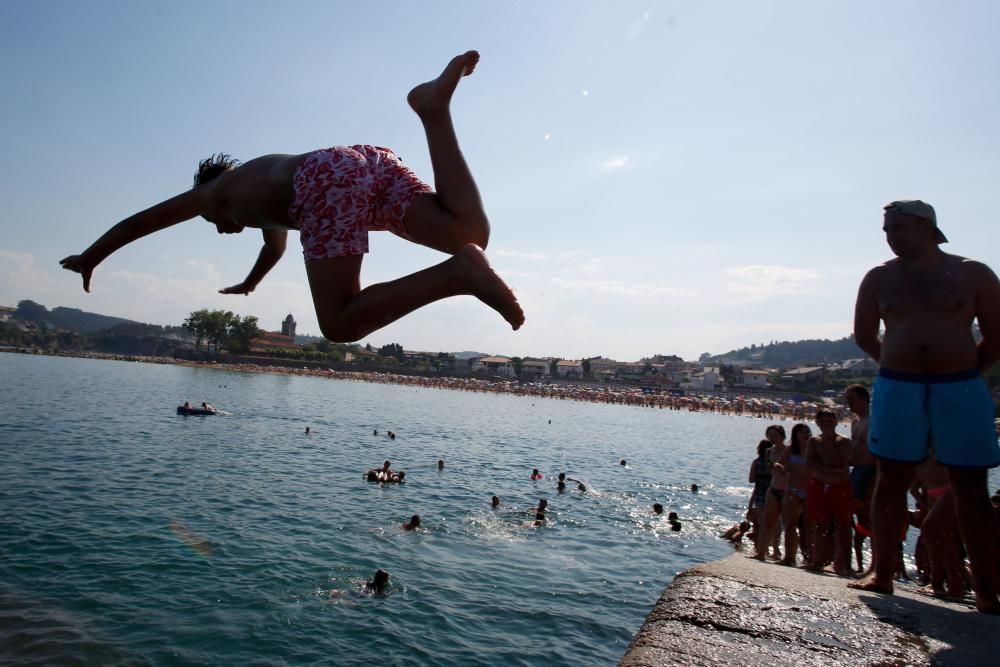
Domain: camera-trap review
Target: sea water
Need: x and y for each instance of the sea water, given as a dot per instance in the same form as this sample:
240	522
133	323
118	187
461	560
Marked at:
132	535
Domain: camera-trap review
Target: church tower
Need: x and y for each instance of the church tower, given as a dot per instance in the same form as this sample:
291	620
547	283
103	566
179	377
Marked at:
288	327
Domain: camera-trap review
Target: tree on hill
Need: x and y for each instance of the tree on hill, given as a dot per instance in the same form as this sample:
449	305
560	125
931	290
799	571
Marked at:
196	323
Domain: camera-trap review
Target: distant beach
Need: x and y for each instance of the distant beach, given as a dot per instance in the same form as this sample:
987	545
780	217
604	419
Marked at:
633	396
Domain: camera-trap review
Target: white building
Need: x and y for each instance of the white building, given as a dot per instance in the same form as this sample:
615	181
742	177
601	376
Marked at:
569	369
502	366
706	379
756	379
532	369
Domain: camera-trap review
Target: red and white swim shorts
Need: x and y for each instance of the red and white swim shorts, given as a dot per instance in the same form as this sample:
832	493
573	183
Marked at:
342	193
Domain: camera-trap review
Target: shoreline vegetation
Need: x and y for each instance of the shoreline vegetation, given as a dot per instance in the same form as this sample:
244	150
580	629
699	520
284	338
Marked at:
634	396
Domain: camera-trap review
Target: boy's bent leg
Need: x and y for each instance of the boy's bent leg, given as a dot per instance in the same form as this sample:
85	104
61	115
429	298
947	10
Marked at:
429	223
347	313
457	193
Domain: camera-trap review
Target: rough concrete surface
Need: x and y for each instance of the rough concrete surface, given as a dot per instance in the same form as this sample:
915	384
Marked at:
741	611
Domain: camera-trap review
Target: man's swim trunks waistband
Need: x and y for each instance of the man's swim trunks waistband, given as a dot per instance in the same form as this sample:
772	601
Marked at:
922	378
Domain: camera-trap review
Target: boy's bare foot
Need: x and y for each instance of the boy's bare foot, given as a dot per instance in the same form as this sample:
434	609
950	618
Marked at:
482	282
872	585
435	95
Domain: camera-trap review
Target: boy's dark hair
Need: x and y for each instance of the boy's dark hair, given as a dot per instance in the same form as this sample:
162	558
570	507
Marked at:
860	390
825	412
212	166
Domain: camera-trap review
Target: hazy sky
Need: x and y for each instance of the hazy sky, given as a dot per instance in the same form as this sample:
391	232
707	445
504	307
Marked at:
662	177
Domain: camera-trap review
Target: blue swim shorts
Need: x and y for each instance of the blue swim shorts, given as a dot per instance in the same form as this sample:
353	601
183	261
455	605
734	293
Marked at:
953	414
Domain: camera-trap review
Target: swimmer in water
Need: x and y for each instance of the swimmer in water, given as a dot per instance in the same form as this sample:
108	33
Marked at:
376	586
542	505
561	487
440	464
413	524
308	431
378	583
657	508
495	502
694	488
535	474
622	462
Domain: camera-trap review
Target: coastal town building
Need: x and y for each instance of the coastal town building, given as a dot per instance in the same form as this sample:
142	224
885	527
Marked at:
502	366
288	327
706	379
269	341
534	369
854	367
569	369
803	378
755	378
6	313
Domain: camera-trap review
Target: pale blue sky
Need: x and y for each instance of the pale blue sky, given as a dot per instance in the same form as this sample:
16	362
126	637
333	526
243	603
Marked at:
662	177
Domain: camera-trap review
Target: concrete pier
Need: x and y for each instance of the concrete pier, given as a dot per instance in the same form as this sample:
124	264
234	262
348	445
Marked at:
741	611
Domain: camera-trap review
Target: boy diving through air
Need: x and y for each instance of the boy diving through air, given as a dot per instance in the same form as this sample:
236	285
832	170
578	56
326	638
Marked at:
333	197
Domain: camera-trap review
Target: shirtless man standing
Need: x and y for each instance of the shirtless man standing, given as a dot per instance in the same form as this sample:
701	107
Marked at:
333	197
929	389
829	494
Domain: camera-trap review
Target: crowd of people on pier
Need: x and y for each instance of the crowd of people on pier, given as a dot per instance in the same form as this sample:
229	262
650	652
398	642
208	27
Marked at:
812	505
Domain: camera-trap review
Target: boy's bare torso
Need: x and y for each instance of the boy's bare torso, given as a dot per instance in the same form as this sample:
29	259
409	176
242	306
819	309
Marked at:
928	315
833	455
255	194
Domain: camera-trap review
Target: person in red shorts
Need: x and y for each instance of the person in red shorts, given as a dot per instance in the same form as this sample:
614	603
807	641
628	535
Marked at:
829	494
333	197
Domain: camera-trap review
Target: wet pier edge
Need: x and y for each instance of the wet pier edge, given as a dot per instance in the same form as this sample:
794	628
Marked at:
740	611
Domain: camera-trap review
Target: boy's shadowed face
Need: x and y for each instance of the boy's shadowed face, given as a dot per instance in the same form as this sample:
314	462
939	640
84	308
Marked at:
226	226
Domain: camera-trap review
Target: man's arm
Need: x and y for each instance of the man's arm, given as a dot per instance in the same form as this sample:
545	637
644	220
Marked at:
274	248
988	315
165	214
866	317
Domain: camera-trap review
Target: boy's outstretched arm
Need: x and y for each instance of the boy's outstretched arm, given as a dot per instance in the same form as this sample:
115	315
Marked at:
274	248
165	214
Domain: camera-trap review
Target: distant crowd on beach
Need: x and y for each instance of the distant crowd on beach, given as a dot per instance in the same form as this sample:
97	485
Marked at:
811	505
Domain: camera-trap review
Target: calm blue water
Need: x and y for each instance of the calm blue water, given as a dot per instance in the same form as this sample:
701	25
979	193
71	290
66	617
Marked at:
129	534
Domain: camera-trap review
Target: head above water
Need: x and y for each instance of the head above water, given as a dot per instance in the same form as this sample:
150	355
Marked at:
658	508
495	501
379	581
